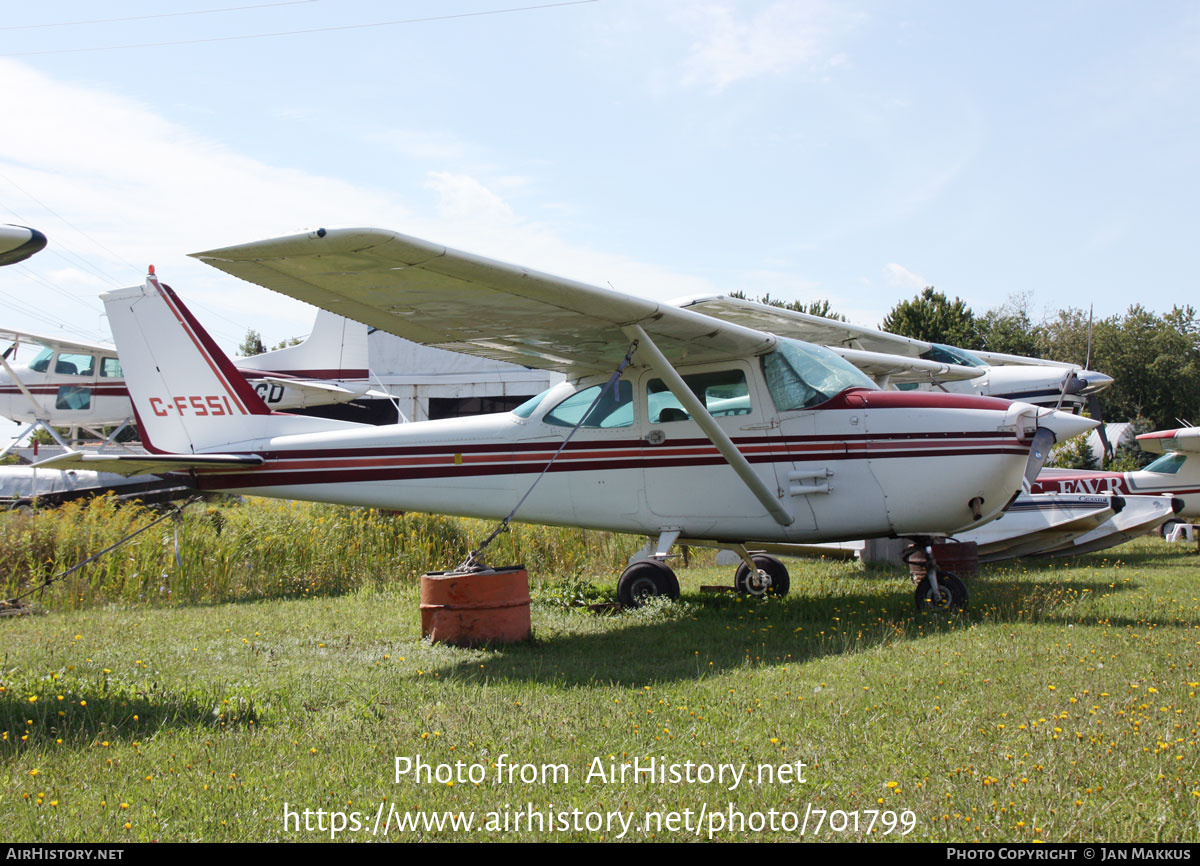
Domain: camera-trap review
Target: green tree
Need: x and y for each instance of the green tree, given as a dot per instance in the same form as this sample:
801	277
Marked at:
820	307
252	345
933	317
1008	329
1075	453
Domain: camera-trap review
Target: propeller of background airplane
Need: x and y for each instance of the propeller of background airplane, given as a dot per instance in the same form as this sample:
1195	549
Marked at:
1074	384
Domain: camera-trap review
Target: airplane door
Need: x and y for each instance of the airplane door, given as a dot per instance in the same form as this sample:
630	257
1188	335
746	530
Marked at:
599	465
687	480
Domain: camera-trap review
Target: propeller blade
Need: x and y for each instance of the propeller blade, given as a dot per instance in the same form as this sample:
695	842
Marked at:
1038	452
1094	411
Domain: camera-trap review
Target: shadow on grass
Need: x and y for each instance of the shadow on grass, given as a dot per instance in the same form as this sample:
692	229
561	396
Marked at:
708	634
83	714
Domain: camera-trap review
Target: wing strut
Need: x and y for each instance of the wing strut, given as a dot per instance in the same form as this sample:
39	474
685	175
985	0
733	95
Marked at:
708	424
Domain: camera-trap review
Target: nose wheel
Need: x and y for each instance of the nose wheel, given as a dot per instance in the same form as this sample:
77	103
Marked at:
769	577
949	596
938	590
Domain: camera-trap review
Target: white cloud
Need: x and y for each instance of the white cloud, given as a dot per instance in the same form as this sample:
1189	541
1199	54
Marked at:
115	186
466	199
730	46
902	277
426	144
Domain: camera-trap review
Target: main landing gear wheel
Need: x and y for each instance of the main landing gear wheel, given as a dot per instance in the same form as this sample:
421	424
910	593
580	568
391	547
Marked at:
753	584
645	579
951	596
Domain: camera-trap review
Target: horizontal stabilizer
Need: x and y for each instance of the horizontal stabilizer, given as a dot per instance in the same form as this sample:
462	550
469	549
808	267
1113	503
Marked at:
152	464
1185	440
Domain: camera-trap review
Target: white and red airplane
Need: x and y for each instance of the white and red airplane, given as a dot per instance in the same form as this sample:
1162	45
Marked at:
1175	474
17	243
81	385
672	424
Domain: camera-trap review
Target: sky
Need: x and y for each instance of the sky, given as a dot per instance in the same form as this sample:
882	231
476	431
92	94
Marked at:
849	151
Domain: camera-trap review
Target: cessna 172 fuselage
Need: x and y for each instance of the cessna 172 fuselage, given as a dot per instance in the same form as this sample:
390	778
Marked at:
672	424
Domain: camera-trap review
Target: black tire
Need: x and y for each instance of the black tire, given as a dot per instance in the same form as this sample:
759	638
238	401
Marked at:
748	584
1165	529
645	579
953	595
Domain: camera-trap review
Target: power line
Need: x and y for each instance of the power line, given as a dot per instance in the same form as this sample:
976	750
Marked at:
160	15
302	32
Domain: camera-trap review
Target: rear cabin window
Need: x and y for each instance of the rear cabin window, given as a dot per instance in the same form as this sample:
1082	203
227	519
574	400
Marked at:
723	392
110	368
73	398
614	409
801	375
529	406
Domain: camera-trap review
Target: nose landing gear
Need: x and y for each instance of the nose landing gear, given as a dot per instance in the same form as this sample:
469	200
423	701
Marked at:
769	577
938	591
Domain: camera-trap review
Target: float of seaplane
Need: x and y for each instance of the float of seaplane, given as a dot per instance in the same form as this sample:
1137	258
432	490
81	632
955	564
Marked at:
1174	475
1066	524
671	424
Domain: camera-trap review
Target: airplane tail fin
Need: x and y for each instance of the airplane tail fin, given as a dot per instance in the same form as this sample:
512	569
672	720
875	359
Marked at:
336	349
186	393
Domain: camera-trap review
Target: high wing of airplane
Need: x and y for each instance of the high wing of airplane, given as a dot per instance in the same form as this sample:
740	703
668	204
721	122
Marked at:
17	243
671	424
1037	381
81	384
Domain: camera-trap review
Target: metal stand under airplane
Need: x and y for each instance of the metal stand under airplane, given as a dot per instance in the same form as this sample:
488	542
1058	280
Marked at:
758	574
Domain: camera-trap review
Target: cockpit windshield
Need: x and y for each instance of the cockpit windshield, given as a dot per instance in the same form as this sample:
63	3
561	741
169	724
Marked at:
801	375
1168	464
41	363
944	354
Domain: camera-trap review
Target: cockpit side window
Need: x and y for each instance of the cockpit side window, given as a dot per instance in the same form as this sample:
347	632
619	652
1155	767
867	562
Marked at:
801	375
723	392
70	364
615	408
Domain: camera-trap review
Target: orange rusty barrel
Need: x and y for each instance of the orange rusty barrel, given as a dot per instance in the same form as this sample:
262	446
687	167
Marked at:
475	608
959	558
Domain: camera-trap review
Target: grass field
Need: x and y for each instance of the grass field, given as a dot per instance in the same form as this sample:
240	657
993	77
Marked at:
1062	707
